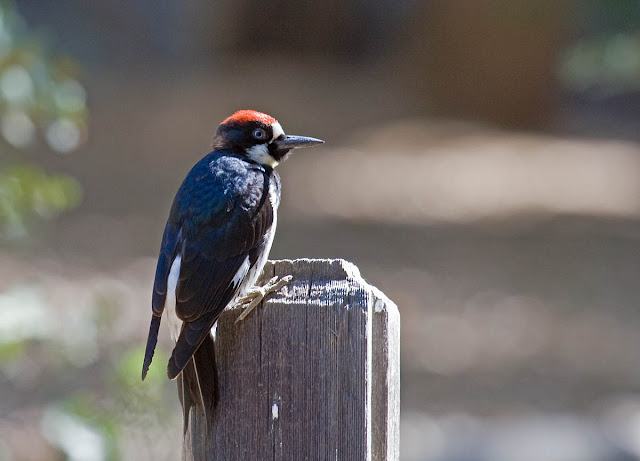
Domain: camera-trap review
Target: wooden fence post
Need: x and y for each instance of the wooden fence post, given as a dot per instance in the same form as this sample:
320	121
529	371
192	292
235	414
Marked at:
312	374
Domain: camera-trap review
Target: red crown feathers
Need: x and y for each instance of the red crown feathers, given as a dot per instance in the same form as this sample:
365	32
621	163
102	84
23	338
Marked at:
244	116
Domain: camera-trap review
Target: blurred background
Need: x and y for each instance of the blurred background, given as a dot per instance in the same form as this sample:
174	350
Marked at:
481	167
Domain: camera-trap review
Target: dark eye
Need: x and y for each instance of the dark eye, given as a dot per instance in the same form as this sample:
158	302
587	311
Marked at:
259	134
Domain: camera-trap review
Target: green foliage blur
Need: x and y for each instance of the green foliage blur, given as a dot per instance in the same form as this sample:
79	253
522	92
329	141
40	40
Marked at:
29	193
42	105
39	344
605	57
87	425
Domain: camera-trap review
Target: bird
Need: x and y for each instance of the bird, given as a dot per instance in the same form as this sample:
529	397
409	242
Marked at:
214	247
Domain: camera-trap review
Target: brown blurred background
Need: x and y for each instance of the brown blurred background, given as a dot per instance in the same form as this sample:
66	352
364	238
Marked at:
481	167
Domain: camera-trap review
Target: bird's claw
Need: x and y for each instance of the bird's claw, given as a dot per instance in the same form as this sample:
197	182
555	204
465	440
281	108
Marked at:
257	294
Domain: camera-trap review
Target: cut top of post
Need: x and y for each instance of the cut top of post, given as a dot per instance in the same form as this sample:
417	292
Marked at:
313	373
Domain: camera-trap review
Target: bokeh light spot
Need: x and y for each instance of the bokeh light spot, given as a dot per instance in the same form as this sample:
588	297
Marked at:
17	128
63	135
16	85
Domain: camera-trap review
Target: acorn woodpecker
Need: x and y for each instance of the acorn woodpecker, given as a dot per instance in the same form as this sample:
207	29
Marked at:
215	244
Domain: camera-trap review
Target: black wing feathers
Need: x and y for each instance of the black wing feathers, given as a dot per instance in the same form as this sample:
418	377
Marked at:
219	217
215	246
168	251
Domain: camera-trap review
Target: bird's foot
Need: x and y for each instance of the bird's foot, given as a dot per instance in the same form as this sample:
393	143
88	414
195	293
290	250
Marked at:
257	294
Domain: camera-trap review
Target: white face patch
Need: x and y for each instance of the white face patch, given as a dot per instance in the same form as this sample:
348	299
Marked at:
260	152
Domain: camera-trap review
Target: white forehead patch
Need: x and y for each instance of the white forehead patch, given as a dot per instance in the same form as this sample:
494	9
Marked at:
277	130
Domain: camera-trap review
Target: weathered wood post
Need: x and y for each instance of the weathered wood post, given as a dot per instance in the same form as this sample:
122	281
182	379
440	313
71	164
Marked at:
312	374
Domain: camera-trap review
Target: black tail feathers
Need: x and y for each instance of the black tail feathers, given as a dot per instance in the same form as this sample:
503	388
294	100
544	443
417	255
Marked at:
198	384
152	340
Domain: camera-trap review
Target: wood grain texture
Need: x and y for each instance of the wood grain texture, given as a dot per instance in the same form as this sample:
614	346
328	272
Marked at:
311	374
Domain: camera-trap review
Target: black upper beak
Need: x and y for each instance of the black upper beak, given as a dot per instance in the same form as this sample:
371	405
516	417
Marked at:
287	142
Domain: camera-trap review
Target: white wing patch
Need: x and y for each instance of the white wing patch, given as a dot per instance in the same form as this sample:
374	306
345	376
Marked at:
175	324
242	273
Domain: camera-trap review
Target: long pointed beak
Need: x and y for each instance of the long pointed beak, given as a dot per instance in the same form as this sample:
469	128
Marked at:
287	142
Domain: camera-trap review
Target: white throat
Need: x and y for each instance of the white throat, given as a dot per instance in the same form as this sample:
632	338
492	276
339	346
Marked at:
260	153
